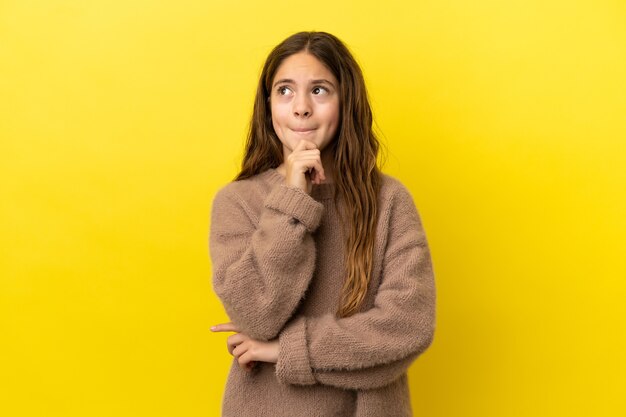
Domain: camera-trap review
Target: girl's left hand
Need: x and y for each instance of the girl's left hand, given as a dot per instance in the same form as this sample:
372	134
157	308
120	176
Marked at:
246	350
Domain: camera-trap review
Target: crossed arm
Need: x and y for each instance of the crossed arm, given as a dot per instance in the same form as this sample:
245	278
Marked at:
367	350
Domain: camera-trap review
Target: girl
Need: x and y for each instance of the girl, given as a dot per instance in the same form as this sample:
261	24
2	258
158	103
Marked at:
319	258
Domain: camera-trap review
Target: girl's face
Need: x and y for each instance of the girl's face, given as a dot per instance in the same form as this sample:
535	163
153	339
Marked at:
304	102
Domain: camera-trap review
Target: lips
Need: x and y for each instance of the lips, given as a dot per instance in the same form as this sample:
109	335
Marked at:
302	130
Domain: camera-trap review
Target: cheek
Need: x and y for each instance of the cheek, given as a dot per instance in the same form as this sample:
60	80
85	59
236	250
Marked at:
332	117
278	115
279	123
275	115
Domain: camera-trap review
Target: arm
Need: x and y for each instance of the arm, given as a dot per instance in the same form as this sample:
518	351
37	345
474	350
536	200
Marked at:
261	272
371	348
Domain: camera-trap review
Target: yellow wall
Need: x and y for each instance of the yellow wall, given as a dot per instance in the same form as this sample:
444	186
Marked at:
120	119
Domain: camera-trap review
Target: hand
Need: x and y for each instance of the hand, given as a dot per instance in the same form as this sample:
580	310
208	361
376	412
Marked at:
304	166
246	350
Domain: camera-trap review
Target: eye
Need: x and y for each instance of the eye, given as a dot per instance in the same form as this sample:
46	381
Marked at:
282	90
324	89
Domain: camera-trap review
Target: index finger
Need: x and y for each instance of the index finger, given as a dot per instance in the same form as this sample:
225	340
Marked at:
225	327
305	144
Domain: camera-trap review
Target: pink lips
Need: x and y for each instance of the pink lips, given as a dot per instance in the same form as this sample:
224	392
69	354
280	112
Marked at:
303	130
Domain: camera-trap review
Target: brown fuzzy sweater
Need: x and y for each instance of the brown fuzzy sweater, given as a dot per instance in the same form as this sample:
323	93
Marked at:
277	256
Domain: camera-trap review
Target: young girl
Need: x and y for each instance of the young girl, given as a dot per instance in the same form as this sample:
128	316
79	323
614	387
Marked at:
319	258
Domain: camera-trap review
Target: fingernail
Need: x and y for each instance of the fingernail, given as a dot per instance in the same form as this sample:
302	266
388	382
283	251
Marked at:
213	328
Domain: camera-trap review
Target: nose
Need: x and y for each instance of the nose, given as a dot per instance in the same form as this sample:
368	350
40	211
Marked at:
302	106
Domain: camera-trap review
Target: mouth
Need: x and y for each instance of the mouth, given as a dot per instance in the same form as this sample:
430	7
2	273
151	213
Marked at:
303	131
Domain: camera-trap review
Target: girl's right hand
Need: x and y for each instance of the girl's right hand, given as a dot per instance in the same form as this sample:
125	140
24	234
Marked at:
304	166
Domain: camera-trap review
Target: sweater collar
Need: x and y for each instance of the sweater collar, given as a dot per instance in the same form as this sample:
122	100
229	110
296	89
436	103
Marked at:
323	191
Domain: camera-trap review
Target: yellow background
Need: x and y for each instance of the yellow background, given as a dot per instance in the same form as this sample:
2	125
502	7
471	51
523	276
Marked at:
120	119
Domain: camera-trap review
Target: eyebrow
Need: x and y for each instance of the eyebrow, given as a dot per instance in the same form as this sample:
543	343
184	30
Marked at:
290	81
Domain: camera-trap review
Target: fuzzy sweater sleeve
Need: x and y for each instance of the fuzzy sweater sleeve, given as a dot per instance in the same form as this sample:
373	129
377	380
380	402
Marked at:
263	262
374	347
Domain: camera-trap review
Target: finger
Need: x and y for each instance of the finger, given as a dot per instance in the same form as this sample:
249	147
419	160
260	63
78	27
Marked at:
296	160
312	175
244	361
319	169
307	164
316	177
234	340
251	365
306	153
225	327
305	144
240	349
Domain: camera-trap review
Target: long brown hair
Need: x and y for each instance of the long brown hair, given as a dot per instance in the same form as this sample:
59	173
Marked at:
355	151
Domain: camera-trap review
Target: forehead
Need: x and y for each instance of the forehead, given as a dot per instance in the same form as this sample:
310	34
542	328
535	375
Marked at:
302	67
